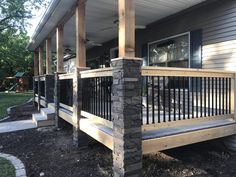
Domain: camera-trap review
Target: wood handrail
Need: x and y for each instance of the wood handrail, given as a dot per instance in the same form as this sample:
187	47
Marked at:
104	72
66	76
185	72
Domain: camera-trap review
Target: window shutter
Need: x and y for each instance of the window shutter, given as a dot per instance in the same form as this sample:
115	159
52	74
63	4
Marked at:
196	49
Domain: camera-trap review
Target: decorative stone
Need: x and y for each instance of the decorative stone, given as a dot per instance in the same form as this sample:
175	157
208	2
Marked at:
126	113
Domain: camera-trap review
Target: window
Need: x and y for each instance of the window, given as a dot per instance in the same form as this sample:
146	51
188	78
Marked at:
170	52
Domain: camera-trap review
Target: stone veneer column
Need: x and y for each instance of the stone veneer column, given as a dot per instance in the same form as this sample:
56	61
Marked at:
39	95
126	113
59	121
34	88
77	103
49	89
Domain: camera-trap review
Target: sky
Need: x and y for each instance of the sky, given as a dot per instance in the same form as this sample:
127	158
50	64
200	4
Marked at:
36	19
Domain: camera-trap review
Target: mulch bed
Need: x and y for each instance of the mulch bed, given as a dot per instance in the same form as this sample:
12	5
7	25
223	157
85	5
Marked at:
51	153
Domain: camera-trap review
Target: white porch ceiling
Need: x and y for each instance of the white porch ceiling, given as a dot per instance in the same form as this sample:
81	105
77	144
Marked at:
101	14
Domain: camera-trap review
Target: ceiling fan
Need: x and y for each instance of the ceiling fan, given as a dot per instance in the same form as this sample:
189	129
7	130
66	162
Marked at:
116	23
93	43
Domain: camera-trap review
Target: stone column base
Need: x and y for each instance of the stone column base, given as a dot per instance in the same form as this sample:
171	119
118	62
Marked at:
126	113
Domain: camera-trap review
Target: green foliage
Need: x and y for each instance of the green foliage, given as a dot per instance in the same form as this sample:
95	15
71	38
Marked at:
14	56
14	13
6	168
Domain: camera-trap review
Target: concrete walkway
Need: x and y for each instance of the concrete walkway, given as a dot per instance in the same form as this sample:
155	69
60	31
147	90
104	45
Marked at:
16	126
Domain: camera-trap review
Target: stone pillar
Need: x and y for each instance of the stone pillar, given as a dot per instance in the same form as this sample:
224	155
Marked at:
57	100
77	103
126	113
39	95
34	88
49	89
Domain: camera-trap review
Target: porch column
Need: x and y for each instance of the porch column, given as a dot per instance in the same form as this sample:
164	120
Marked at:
41	69
60	50
36	73
60	70
48	57
126	105
80	64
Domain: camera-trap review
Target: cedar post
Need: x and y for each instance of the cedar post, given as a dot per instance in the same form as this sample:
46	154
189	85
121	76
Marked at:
60	70
48	57
41	69
126	97
60	56
80	64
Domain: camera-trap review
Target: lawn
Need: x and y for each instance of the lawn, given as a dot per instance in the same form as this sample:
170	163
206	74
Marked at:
12	99
6	168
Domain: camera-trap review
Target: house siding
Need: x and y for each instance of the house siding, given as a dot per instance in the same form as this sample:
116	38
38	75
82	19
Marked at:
217	20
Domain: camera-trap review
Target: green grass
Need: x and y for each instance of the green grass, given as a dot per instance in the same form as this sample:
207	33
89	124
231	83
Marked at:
6	168
12	99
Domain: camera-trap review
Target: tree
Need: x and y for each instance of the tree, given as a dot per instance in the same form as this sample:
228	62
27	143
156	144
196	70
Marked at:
14	13
14	56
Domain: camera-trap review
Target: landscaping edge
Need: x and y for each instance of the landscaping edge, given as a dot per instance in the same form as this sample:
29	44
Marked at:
17	163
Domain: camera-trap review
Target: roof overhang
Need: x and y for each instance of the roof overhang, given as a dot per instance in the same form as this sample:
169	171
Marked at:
100	19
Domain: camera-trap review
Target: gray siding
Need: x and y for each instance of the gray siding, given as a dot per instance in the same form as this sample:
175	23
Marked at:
217	21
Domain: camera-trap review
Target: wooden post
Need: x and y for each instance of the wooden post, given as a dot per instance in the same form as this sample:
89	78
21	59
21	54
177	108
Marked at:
41	69
36	63
48	57
60	57
126	28
80	34
80	66
126	110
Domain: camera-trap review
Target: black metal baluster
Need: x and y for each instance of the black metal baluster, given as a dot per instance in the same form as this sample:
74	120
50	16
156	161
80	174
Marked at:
219	96
189	78
226	89
205	96
96	94
223	94
159	100
147	107
110	101
216	103
212	96
174	99
201	110
196	88
208	96
169	100
153	103
142	99
229	95
184	86
164	100
179	101
192	96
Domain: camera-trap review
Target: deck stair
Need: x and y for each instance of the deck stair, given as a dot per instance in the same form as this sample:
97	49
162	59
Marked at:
46	117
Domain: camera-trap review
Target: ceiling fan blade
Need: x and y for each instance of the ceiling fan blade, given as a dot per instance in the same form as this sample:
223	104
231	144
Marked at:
140	27
108	28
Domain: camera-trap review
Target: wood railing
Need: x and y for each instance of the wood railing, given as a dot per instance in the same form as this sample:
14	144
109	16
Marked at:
96	93
66	91
174	94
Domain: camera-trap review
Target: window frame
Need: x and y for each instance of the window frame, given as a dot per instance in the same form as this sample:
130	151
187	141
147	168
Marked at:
169	38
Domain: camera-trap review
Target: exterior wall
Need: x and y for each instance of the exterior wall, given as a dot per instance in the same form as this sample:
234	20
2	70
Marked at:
217	21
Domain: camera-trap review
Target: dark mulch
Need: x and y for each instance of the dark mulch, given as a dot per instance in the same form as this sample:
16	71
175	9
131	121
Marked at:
51	153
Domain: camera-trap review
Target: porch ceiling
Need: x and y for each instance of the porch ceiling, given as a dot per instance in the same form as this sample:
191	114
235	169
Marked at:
100	17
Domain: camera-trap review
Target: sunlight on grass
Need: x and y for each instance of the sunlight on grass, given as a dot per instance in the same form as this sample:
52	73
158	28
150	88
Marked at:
6	168
12	99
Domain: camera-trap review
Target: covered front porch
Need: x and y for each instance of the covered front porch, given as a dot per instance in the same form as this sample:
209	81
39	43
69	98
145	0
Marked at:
130	108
